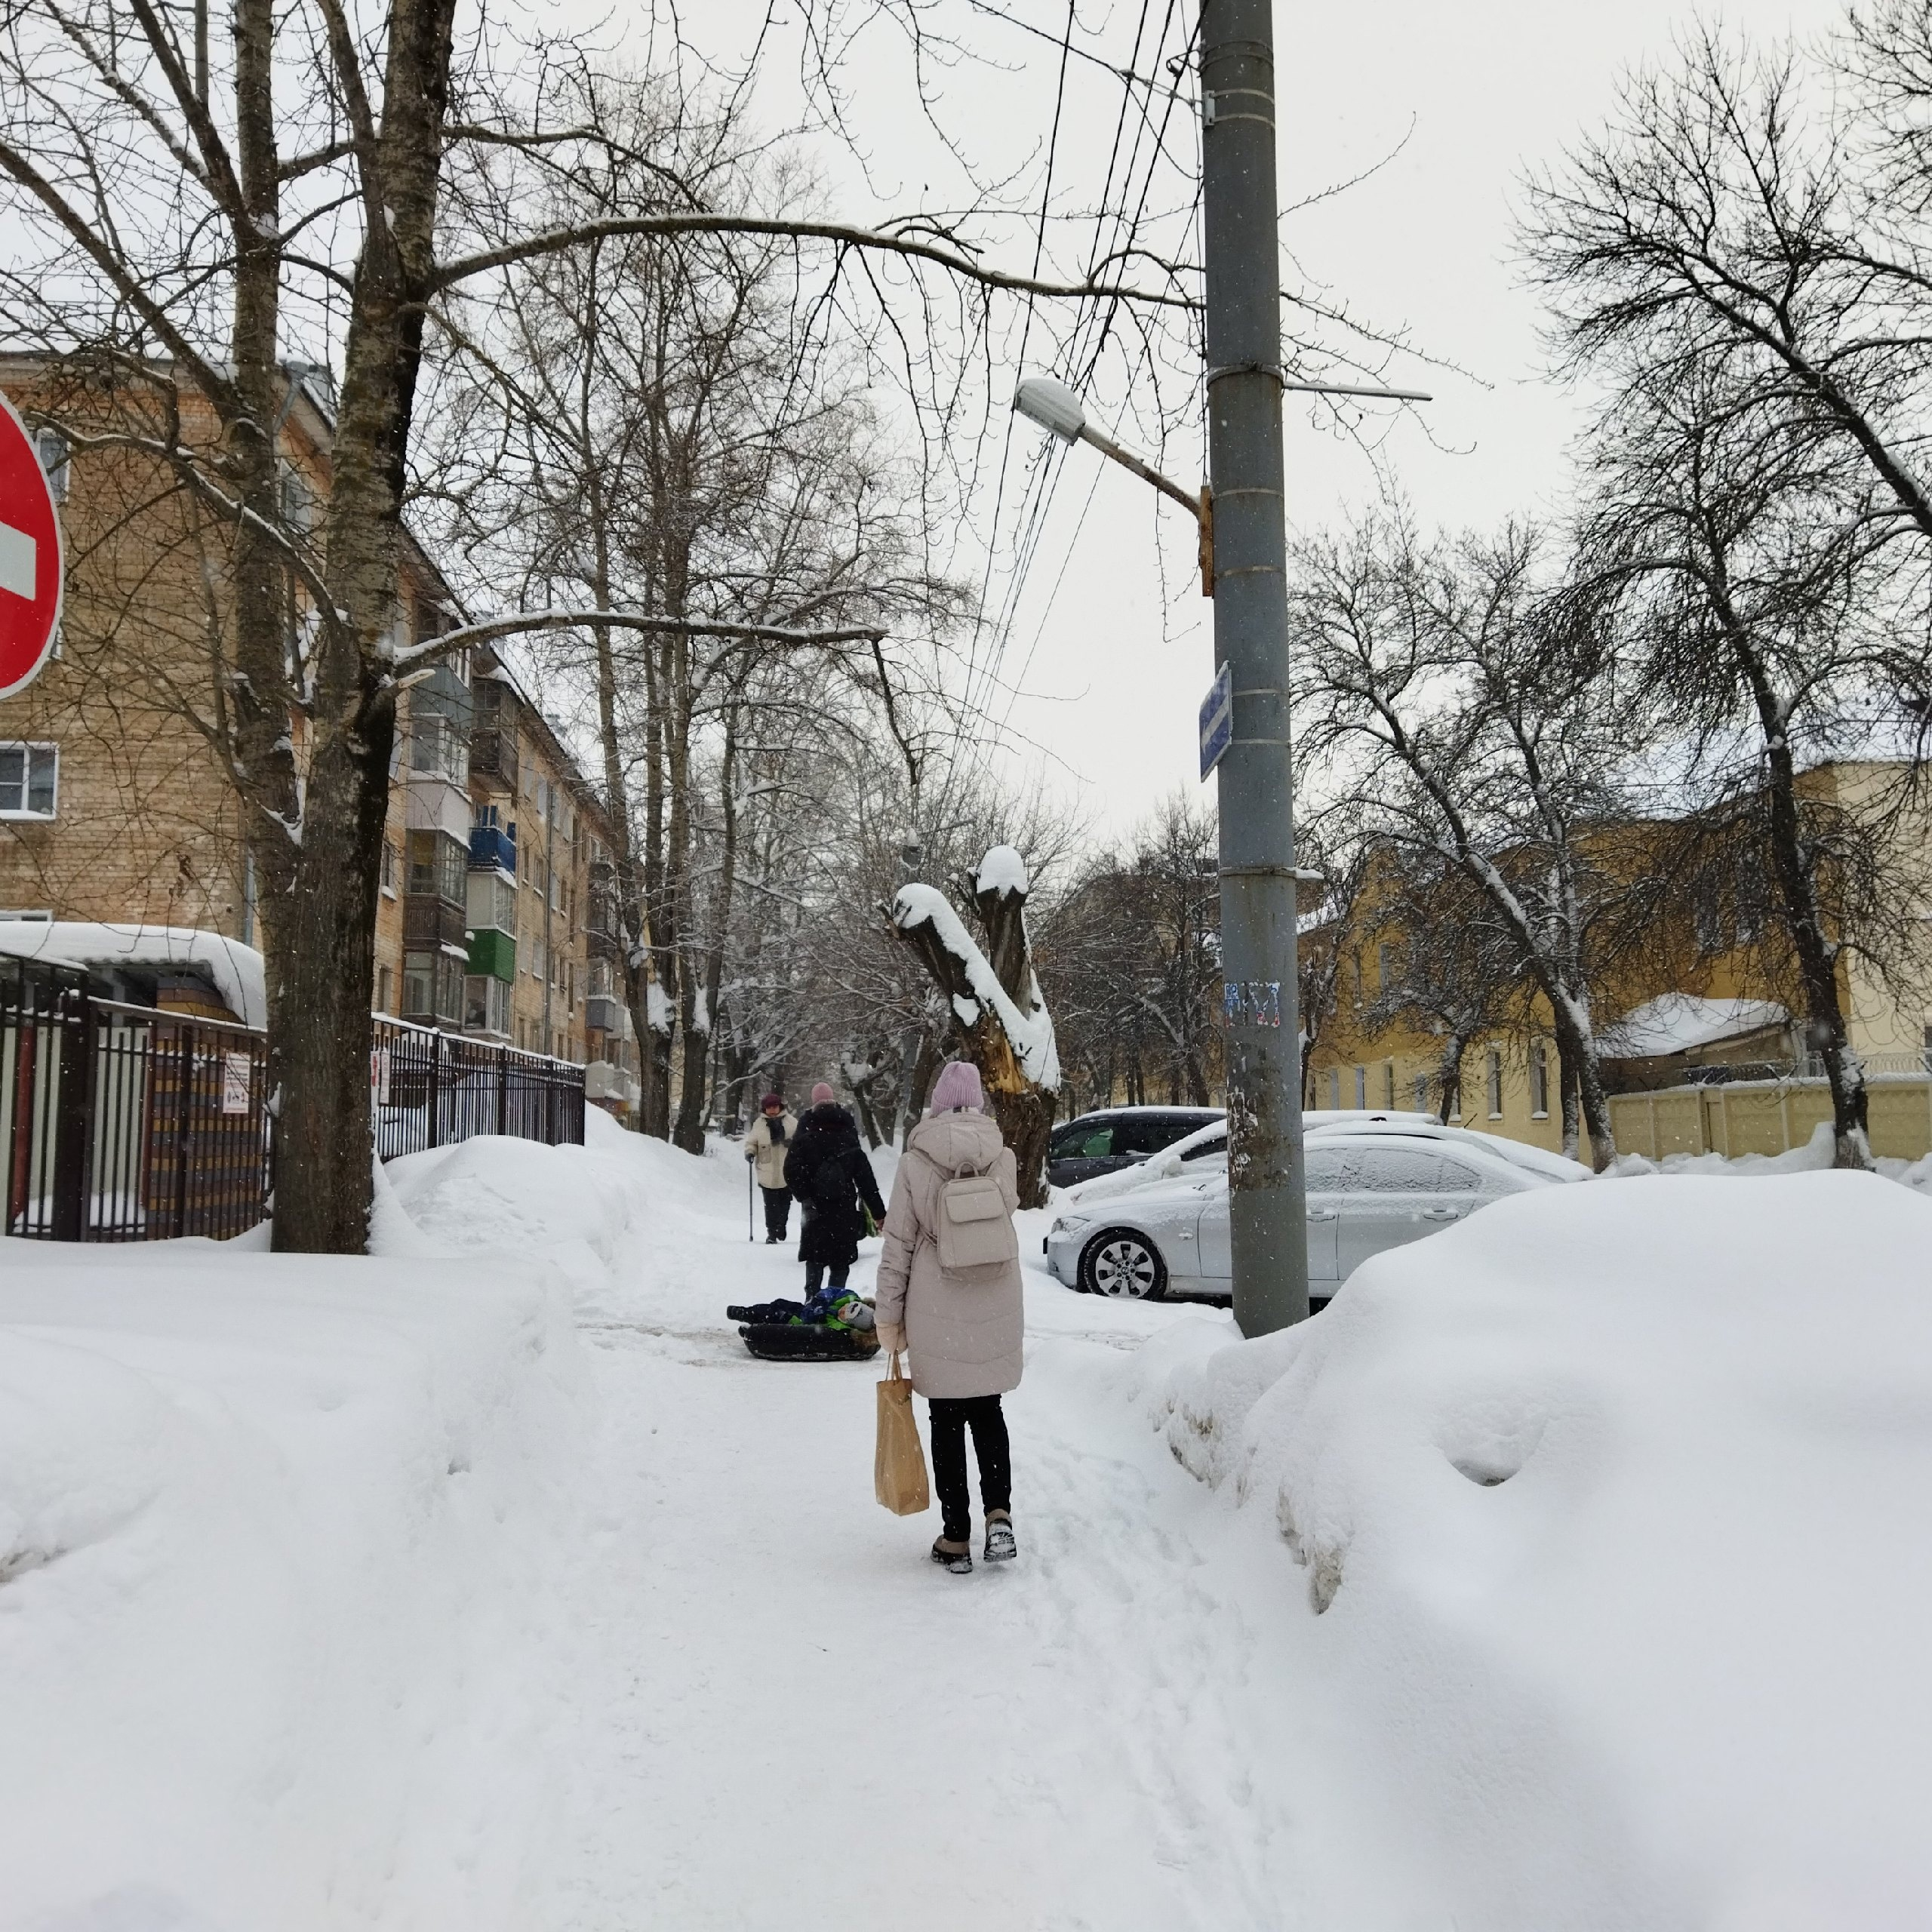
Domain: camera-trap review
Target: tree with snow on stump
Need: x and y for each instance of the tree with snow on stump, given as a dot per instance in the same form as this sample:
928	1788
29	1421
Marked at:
1002	1022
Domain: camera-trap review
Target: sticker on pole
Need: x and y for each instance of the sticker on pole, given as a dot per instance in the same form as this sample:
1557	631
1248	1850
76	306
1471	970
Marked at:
1217	719
30	558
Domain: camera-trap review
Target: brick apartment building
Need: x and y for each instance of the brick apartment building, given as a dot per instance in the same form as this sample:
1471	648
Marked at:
494	918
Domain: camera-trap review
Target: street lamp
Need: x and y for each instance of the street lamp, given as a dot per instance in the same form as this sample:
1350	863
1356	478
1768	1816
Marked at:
1244	722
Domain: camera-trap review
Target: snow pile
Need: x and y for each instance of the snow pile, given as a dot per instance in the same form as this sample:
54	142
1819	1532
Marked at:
1815	1156
266	1524
235	969
1002	869
1031	1034
1612	1505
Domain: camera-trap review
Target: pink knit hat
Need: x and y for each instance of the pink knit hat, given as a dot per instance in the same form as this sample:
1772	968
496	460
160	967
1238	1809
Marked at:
821	1093
958	1086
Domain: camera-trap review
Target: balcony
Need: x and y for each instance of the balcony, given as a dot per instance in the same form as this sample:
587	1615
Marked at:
604	942
493	846
492	758
430	922
492	953
602	1013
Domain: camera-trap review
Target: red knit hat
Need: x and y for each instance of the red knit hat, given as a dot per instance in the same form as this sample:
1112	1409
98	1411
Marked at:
770	1100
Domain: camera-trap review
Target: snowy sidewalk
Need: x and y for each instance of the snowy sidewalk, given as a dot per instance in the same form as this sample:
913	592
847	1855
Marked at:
787	1719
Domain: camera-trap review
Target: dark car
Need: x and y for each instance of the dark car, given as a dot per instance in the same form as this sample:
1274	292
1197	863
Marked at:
1097	1143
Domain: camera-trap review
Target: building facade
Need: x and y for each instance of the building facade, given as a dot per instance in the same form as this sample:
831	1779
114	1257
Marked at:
114	804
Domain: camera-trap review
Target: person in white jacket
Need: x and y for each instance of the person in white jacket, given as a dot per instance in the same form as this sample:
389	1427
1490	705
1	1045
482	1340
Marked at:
767	1143
962	1331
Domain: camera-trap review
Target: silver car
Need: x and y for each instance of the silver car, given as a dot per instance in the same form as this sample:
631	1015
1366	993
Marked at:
1366	1192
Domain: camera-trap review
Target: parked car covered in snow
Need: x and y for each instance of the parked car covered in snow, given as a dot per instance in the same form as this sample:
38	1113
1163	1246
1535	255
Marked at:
1207	1148
1369	1188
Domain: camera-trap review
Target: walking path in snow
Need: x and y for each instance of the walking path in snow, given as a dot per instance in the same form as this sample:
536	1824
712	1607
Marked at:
786	1717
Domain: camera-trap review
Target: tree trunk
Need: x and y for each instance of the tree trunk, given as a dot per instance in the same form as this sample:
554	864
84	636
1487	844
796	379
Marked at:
1449	1077
1825	1032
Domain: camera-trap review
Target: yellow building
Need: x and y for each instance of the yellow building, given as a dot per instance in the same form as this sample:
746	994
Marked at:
1699	1054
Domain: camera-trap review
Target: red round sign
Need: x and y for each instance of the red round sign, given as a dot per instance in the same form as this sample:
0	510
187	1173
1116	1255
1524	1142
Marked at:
30	569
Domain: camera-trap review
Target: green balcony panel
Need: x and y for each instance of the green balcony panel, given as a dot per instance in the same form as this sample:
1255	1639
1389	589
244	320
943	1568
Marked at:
493	952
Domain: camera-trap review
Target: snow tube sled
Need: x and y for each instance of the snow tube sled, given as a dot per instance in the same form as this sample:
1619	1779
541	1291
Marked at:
809	1341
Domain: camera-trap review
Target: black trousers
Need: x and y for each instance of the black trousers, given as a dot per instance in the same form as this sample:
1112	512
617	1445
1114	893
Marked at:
815	1276
949	1420
777	1209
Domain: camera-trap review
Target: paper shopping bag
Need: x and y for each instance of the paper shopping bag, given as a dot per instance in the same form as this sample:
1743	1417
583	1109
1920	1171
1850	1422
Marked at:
899	1466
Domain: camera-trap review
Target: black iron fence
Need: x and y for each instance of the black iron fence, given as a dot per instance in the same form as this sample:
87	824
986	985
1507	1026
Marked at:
124	1123
429	1089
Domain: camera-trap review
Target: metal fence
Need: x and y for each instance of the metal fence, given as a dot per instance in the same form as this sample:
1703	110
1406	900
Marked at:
428	1089
124	1123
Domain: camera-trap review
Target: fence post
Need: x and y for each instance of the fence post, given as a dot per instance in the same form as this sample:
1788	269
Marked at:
74	1013
435	1089
503	1089
184	1141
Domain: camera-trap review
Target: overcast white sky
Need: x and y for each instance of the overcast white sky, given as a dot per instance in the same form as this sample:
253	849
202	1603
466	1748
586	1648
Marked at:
1109	673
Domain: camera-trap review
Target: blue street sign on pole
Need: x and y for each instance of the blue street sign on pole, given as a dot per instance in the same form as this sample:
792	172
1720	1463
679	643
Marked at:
1217	719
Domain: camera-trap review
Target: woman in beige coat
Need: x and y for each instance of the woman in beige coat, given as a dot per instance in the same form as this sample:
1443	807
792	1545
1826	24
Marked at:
962	1330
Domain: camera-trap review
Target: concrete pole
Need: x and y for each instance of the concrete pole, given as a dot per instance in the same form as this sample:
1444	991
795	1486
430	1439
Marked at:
1243	386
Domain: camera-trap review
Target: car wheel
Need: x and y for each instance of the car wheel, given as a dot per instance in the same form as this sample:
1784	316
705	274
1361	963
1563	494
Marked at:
1119	1262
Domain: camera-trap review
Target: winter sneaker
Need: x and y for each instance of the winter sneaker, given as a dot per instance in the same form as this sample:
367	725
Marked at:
738	1311
958	1557
1000	1547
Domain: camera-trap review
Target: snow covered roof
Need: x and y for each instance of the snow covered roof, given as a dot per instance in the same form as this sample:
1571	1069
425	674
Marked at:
235	969
1676	1023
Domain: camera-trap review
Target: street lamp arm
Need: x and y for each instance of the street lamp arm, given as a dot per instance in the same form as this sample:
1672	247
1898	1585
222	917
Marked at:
1146	471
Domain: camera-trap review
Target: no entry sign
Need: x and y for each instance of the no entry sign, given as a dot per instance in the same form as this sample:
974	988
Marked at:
30	557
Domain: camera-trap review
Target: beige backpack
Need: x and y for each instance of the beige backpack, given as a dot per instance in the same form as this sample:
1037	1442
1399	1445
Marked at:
975	1230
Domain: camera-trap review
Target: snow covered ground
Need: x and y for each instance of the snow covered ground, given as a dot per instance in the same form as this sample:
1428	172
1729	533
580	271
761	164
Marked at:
1565	1573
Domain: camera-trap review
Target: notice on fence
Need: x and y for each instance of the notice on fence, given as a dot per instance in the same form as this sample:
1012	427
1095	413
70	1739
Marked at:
379	1075
237	1070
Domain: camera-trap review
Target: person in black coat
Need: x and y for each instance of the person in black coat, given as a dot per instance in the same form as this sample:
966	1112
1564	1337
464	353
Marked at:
829	1176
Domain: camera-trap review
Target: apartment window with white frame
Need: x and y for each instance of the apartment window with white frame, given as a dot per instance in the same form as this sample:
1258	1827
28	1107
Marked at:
1494	1072
51	447
1361	1087
1539	1081
29	780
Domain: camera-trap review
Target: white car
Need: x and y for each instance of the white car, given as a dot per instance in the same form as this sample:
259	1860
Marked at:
1207	1148
1368	1188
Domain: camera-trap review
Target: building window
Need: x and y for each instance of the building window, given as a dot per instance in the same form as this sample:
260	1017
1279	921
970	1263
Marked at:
1495	1078
1539	1081
1361	1087
438	866
1388	1083
1385	968
419	984
384	986
1421	1093
388	867
1335	1086
437	749
28	780
51	447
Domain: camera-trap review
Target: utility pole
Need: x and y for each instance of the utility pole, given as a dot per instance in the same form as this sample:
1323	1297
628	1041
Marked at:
1267	1200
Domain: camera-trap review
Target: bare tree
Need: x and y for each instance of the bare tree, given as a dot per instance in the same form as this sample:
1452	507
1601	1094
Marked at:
1457	720
295	174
